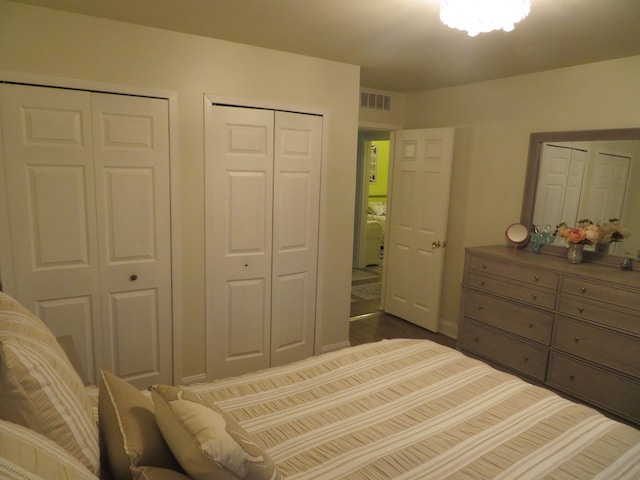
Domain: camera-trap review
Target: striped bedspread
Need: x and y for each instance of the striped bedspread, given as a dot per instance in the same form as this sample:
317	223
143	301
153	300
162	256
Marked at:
413	409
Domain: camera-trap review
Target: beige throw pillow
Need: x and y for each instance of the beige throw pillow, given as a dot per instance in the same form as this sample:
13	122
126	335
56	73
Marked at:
28	454
129	431
39	387
207	442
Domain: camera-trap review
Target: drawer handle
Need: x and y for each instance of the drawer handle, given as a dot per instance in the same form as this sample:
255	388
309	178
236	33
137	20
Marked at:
526	359
482	283
536	278
576	339
531	324
534	296
580	309
571	376
480	307
484	266
583	289
476	339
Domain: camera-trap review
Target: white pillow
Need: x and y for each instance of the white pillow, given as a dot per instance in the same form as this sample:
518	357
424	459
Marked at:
378	208
207	442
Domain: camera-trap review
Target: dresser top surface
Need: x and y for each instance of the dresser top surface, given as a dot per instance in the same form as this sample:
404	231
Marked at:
592	271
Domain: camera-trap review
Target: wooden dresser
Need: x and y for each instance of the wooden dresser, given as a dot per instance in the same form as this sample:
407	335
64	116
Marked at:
574	328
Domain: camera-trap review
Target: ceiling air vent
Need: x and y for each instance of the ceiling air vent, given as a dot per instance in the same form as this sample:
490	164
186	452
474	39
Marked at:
375	101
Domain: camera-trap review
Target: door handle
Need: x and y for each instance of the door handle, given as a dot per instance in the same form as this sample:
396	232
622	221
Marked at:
436	244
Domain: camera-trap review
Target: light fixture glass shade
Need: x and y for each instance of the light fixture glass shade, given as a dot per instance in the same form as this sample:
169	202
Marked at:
478	16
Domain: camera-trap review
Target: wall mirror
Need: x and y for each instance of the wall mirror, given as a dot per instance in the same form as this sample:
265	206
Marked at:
592	174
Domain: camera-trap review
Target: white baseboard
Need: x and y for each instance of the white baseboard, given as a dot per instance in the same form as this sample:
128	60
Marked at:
334	347
449	329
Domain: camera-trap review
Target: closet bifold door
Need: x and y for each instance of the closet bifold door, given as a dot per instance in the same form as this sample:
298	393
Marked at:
296	216
89	220
131	155
262	188
239	198
48	160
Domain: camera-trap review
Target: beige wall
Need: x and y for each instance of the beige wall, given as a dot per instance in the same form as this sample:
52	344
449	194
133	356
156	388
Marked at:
45	42
493	121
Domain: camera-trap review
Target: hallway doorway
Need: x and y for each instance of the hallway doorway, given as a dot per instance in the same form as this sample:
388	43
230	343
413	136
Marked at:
370	222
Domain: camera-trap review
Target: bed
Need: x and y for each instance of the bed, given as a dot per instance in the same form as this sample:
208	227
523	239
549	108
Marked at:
407	409
395	409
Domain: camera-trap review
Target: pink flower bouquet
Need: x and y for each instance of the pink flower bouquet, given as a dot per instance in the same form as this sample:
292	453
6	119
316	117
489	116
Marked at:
585	232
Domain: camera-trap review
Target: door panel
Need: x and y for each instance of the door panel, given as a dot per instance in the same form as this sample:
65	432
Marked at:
71	316
296	206
239	198
418	217
129	204
289	308
131	151
135	316
245	218
246	323
62	242
48	152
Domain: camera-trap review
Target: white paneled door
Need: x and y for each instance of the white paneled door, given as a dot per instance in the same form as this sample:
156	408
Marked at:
262	211
296	214
89	217
608	187
414	254
559	185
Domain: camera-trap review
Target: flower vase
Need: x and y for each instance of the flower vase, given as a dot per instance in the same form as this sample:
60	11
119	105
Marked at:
602	247
574	254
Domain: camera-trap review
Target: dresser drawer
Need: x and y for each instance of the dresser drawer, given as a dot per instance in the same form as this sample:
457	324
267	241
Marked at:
505	350
515	272
617	318
512	290
617	394
614	350
521	320
605	293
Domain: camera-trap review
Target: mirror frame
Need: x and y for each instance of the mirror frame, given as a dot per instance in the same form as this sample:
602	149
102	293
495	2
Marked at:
536	140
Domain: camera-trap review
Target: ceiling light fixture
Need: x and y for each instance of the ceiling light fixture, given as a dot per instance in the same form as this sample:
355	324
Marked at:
478	16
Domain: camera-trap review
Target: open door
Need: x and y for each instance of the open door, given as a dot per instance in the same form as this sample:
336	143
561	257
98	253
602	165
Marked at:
414	252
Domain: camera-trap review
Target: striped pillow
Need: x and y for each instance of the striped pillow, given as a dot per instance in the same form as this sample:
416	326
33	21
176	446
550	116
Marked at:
27	454
39	388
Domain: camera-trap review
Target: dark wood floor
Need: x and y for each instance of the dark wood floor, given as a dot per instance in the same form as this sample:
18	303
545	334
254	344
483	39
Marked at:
370	324
374	327
360	305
